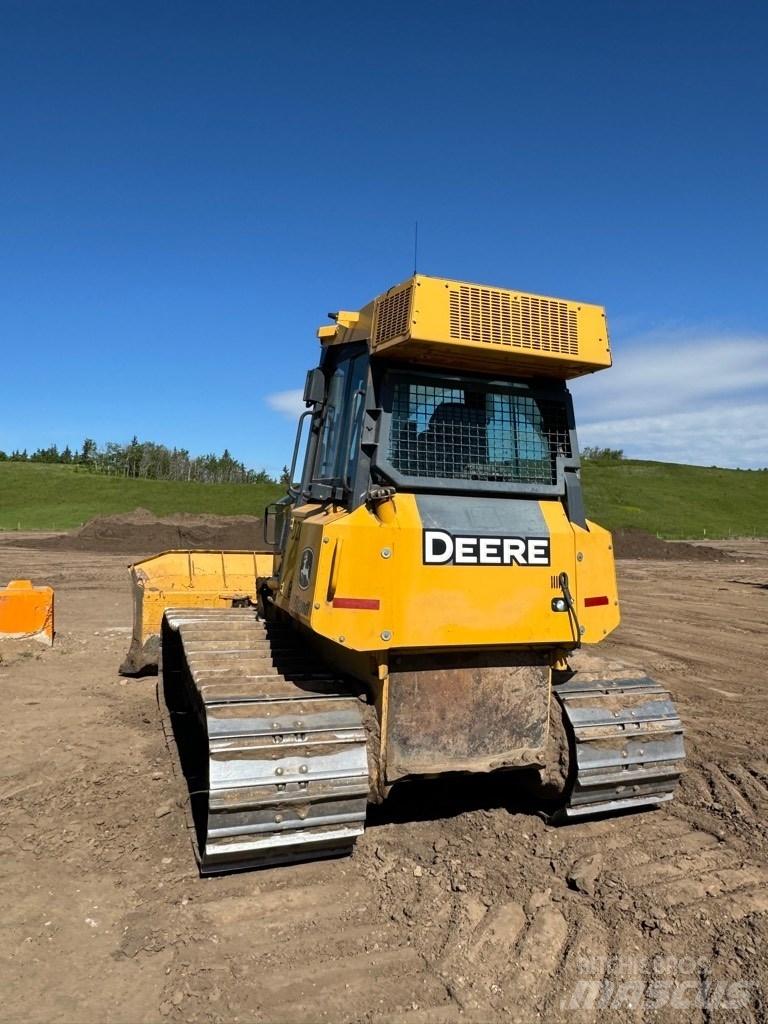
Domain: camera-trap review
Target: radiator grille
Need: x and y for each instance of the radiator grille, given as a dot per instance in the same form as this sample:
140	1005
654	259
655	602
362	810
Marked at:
523	322
445	431
393	316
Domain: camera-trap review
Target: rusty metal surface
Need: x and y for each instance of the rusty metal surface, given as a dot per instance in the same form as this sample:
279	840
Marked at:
466	711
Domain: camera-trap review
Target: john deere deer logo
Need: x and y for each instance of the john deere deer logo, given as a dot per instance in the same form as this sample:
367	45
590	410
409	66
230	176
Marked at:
305	567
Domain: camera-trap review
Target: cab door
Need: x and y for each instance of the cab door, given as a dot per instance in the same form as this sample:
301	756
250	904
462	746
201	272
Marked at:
330	463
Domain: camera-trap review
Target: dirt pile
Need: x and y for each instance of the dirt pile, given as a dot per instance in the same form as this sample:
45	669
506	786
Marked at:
629	543
141	531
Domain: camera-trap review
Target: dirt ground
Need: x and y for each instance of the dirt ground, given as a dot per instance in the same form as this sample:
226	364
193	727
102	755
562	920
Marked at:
141	532
459	902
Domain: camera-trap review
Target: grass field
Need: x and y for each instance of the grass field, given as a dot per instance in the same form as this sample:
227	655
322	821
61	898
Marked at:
677	501
42	497
667	499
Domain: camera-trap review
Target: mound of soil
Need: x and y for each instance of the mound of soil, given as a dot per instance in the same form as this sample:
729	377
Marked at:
141	531
629	543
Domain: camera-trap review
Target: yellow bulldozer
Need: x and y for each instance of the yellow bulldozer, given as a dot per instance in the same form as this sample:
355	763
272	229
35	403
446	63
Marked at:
433	578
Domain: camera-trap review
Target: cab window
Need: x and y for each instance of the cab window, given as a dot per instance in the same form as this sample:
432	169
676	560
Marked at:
342	420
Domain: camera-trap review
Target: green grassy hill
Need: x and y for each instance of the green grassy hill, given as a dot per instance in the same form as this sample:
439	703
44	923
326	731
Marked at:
34	496
677	501
667	499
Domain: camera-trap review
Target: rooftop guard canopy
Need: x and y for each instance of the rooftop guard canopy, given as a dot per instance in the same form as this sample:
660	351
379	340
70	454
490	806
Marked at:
474	327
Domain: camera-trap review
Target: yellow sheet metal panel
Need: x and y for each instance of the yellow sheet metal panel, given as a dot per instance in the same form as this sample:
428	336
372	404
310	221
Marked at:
443	322
302	557
596	591
360	580
26	612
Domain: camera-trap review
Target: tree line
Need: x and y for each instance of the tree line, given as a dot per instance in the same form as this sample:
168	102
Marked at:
147	460
593	454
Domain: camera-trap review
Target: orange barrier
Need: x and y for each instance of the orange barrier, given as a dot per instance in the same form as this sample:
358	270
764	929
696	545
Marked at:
26	612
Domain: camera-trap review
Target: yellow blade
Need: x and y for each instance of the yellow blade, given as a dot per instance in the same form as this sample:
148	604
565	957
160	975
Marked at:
186	579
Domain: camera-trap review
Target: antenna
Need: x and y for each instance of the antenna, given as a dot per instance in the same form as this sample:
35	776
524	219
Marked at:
415	246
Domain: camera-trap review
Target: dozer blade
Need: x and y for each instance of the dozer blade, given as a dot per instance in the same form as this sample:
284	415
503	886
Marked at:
26	612
186	579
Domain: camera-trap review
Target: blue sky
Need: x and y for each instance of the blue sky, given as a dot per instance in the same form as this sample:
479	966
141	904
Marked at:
189	187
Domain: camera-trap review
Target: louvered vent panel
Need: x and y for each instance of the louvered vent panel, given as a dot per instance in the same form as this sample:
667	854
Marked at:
525	321
393	316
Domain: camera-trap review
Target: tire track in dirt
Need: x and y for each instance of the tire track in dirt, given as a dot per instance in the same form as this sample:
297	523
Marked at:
469	909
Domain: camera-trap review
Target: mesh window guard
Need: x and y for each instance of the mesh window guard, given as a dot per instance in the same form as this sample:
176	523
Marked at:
476	432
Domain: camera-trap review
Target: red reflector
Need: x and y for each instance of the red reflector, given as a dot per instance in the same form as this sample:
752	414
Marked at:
370	604
591	602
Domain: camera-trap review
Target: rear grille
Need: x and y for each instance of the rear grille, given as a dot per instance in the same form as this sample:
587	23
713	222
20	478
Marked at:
516	321
393	316
442	430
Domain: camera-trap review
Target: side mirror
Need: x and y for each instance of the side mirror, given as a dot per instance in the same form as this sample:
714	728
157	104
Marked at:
314	387
276	519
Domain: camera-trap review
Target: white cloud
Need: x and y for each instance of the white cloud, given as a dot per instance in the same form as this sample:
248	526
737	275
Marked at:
680	396
289	403
676	395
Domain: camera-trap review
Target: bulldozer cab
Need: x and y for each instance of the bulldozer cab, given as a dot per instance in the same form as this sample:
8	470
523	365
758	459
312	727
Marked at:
439	427
376	425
